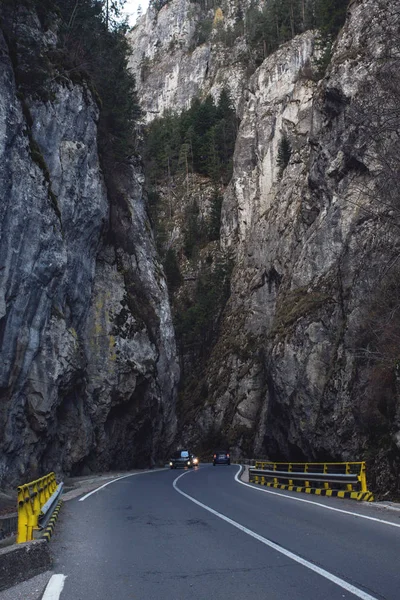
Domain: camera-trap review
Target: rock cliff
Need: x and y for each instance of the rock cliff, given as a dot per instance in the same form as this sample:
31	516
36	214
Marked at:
172	64
291	375
88	369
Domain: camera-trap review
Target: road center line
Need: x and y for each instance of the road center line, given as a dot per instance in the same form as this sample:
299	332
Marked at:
305	563
325	506
117	479
54	587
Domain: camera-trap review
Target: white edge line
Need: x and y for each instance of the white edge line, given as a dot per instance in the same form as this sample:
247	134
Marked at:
54	587
305	563
117	479
325	506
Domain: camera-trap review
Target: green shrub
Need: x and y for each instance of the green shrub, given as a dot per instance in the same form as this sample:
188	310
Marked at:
284	154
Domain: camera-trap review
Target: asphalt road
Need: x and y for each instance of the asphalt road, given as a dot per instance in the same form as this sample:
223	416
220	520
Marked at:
144	538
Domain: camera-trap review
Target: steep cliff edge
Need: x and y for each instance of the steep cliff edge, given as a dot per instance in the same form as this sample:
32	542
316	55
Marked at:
299	370
88	368
174	60
312	249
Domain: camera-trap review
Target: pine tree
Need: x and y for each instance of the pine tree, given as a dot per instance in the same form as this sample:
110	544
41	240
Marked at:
330	16
284	154
95	48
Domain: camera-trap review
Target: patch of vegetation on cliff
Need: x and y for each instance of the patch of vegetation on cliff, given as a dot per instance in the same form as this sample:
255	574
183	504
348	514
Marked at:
284	154
197	320
202	33
185	154
294	305
267	25
281	20
38	158
91	50
198	140
197	324
33	69
330	16
158	4
95	48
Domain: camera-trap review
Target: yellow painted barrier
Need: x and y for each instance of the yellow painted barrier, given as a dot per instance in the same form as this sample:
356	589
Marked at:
31	498
344	480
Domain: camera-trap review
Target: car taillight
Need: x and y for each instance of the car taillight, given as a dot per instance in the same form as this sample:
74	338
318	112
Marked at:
227	455
215	456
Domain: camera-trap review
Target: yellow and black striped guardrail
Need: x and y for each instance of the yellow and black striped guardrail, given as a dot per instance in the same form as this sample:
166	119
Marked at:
48	530
38	502
344	480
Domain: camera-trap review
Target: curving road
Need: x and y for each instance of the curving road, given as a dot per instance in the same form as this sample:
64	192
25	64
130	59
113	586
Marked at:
197	535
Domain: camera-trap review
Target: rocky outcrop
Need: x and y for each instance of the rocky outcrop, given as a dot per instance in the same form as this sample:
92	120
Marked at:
172	62
88	368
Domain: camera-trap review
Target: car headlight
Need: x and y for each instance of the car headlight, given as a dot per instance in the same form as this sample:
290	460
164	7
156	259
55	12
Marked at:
188	462
170	464
195	461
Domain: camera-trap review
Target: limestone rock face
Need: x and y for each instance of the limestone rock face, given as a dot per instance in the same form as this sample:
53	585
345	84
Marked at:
302	243
88	369
171	64
310	242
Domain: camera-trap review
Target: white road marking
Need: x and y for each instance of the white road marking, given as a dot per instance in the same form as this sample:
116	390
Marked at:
305	563
325	506
54	587
117	479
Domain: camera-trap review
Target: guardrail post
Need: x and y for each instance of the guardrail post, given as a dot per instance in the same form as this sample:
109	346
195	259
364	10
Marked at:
349	486
363	478
326	483
46	487
28	512
22	515
275	478
289	471
306	483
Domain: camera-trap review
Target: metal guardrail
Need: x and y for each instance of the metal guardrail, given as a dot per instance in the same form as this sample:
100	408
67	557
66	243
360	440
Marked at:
36	502
345	480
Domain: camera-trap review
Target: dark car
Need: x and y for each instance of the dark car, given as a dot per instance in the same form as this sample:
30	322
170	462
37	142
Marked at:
181	459
221	457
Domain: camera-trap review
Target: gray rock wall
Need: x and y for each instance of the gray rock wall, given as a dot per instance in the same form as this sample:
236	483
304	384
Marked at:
311	249
311	245
171	68
88	368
